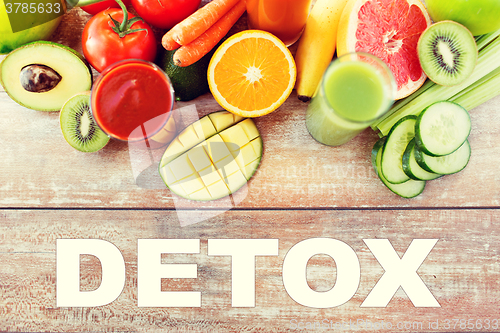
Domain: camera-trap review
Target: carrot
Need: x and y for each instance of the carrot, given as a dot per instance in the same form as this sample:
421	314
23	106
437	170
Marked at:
197	23
168	41
201	20
194	51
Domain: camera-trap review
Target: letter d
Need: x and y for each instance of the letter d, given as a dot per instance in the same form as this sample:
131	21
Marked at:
68	253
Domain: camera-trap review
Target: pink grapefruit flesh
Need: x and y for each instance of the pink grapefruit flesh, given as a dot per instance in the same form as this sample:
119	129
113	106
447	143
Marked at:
388	29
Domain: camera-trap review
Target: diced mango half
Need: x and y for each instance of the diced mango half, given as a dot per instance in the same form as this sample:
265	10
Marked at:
167	175
248	153
213	157
218	189
216	148
235	135
200	195
199	158
189	137
235	181
227	166
192	184
181	167
210	175
223	120
250	168
250	129
204	128
175	148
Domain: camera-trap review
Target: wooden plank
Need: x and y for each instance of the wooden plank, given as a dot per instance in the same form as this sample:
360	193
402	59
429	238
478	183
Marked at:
461	271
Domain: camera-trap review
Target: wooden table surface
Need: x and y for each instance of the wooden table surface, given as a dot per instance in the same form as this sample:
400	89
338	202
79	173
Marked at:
302	190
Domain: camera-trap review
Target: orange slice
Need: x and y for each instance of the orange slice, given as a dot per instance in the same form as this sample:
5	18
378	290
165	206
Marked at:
252	73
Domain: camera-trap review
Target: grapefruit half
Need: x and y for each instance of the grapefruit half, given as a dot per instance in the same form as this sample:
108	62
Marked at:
388	29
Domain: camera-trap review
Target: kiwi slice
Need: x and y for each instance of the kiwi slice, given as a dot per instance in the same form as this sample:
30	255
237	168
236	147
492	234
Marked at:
447	52
78	127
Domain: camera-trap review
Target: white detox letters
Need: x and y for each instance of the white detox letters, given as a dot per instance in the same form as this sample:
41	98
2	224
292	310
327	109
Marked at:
243	253
294	272
150	271
68	252
399	272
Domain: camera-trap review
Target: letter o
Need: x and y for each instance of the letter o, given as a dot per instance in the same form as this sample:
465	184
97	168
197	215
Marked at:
295	275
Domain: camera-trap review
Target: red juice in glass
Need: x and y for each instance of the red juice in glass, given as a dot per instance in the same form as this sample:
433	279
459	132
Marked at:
132	100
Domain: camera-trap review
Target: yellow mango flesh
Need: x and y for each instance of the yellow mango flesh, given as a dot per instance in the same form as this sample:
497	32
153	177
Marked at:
213	157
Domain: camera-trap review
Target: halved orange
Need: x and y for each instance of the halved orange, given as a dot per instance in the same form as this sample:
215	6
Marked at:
252	73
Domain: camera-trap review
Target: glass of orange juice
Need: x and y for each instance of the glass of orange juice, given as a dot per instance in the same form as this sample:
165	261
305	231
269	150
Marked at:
285	19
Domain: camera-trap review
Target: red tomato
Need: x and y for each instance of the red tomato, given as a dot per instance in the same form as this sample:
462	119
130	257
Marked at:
164	14
100	6
102	46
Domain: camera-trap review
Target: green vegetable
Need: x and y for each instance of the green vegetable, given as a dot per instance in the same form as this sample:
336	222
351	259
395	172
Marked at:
447	164
401	159
482	85
409	189
397	140
411	166
189	82
442	128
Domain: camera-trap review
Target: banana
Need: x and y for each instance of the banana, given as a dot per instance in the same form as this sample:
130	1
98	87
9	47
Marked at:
317	45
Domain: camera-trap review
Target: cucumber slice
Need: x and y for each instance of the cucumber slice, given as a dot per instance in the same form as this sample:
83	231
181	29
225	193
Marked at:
408	189
392	154
442	128
411	167
447	164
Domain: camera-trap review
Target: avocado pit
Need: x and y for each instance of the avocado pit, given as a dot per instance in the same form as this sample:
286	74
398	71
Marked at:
39	78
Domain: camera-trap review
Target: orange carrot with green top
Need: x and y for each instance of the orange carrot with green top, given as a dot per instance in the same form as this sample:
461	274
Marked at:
189	54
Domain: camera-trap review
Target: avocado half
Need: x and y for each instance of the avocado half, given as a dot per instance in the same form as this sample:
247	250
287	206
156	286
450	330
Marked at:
44	75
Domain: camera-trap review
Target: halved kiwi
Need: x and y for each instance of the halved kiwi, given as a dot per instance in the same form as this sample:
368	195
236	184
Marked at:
447	52
78	127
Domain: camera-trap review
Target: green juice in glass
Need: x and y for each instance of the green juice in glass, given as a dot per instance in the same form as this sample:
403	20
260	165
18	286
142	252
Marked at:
353	93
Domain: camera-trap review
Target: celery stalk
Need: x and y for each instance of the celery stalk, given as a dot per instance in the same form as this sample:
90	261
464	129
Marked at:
481	92
476	84
484	40
488	61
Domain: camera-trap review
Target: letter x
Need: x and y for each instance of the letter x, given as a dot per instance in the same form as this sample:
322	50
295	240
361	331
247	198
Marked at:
400	273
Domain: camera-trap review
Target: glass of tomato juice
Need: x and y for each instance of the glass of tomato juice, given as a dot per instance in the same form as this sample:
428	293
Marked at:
285	19
132	100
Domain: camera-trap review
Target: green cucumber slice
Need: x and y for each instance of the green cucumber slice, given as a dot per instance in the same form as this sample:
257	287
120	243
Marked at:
442	128
392	154
445	165
408	189
412	168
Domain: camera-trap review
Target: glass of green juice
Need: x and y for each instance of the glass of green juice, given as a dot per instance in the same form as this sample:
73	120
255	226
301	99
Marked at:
356	89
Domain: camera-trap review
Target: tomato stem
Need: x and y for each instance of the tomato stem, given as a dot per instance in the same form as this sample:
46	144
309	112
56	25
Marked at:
123	28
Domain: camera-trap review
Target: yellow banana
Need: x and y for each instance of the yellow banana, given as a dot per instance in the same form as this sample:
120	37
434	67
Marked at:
317	45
